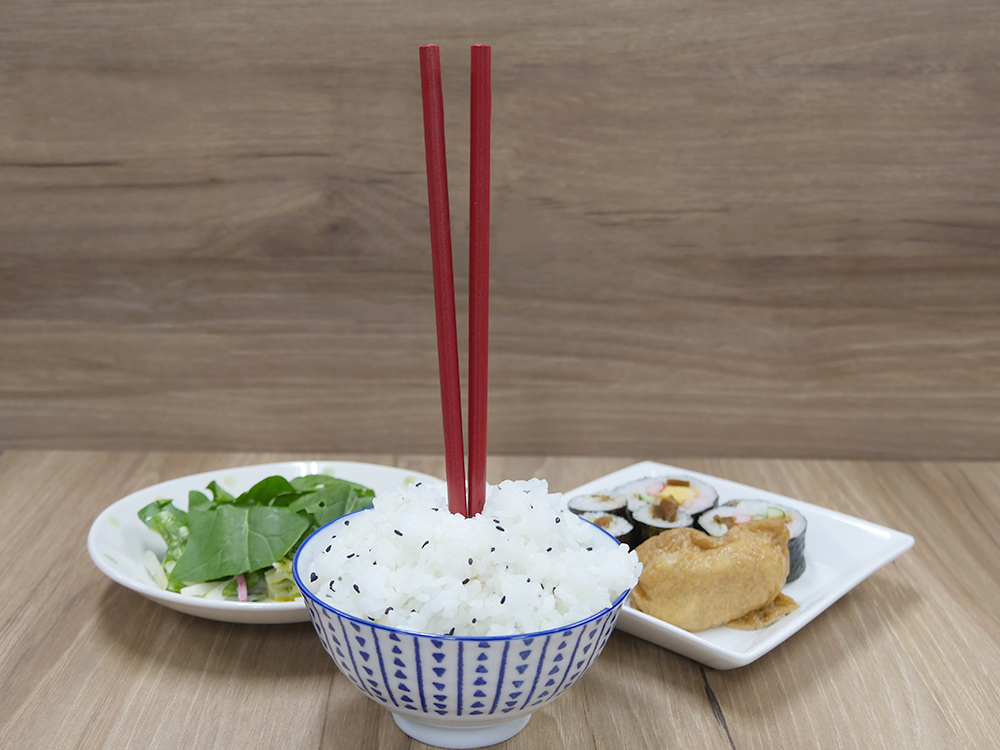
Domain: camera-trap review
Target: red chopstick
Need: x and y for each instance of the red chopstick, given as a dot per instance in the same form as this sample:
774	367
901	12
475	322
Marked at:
479	273
444	282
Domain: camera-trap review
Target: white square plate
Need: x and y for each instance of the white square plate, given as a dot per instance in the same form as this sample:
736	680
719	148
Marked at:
841	551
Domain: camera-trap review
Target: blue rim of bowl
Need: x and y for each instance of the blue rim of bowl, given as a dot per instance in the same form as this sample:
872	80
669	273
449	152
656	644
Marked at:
368	623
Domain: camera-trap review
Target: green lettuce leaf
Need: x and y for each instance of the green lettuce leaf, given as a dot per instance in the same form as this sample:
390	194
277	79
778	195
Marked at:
271	491
228	539
219	495
336	499
170	523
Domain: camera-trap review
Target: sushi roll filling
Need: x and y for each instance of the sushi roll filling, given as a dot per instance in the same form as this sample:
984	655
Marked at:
734	513
689	496
665	510
597	502
677	491
620	528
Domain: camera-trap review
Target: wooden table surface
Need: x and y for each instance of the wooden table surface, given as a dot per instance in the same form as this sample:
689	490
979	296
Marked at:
909	658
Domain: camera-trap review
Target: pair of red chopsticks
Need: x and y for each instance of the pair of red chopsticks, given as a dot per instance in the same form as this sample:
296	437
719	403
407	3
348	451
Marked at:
479	275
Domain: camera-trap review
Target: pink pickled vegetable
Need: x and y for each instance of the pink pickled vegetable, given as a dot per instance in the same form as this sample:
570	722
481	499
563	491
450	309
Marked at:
241	587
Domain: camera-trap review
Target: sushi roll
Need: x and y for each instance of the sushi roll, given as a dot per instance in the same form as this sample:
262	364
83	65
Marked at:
659	503
689	495
598	502
618	526
649	520
735	512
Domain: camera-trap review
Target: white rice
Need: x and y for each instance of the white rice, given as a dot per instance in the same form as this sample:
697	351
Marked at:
534	566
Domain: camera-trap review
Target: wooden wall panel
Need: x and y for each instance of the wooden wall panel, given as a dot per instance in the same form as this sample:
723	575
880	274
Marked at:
719	230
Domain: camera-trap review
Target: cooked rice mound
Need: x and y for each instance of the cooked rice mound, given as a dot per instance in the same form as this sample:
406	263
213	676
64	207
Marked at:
523	565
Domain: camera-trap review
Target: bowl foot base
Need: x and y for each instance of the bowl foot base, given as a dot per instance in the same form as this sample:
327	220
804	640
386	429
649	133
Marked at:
460	738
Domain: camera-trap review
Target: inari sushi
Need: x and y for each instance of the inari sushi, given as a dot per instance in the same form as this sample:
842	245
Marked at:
735	512
659	503
695	581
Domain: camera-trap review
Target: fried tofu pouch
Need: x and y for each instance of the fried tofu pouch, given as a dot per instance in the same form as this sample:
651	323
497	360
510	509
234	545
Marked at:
696	581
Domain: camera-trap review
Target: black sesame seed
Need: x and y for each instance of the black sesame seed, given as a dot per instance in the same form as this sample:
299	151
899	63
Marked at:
332	588
558	519
493	549
350	556
529	580
388	610
473	620
371	618
451	632
542	586
312	577
470	561
465	581
398	532
425	544
590	549
418	484
503	599
329	548
549	549
499	528
356	588
347	523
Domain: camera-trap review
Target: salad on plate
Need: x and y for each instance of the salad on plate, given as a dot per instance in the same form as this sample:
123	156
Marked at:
240	548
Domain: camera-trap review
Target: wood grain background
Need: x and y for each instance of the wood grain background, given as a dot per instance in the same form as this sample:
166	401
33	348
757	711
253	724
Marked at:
720	229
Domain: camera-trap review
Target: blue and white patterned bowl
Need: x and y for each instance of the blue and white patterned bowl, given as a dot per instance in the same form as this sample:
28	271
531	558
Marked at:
451	691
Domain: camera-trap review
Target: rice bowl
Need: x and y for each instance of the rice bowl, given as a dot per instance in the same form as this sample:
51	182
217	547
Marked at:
515	645
523	565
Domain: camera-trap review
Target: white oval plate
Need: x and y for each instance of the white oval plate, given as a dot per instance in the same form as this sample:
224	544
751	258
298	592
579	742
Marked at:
118	539
841	551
